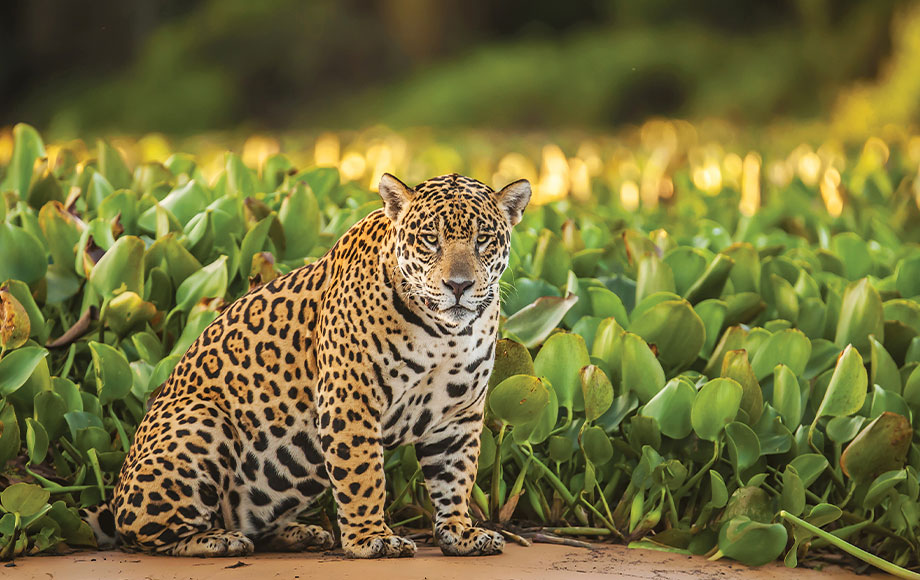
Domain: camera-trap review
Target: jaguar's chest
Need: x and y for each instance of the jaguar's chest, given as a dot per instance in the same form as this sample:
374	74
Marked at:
427	382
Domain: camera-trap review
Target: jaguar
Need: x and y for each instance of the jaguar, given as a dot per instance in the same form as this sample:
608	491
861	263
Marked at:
301	384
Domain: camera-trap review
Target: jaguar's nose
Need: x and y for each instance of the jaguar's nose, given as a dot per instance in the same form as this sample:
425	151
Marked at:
457	286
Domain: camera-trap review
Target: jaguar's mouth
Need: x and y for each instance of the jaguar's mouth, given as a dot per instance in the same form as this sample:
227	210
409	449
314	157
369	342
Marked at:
453	311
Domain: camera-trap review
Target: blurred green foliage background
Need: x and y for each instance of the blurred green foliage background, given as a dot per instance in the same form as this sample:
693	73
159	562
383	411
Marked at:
186	66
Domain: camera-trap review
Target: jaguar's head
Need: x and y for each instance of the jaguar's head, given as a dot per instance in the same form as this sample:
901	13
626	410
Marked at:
453	237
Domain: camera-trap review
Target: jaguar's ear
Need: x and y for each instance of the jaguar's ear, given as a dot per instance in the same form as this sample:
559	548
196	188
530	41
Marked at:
395	194
513	198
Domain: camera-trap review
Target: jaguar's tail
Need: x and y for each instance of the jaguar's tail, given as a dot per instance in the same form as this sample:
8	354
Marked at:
101	519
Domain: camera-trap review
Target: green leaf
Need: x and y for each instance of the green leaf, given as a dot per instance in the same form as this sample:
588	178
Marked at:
861	314
209	282
550	259
792	498
742	444
162	370
671	407
606	304
511	358
193	329
519	399
9	433
881	446
240	180
49	411
750	542
121	268
112	166
17	366
254	242
22	256
809	466
716	405
884	370
787	396
113	375
641	373
536	431
712	282
25	499
674	328
653	276
736	366
27	147
842	430
299	216
597	446
907	275
846	392
533	323
883	484
597	392
789	347
712	313
36	441
560	361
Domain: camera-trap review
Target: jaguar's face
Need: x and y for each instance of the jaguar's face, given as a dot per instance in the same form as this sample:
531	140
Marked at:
453	241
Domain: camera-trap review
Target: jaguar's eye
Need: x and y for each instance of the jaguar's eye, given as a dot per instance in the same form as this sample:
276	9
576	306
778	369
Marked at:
430	239
483	239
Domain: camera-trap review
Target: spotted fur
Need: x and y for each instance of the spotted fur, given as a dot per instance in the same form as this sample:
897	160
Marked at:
302	383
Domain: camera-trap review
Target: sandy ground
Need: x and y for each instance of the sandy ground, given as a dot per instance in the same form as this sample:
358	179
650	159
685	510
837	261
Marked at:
540	561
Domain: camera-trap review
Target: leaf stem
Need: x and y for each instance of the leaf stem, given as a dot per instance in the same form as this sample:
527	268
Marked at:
850	549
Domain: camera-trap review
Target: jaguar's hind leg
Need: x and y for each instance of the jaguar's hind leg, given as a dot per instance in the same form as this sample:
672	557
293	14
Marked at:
297	537
213	544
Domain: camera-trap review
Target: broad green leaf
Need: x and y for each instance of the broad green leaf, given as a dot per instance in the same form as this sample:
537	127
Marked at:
605	304
560	361
511	358
846	392
196	324
121	268
113	375
653	276
536	431
881	446
908	276
742	444
162	370
640	371
36	441
17	366
745	274
25	499
884	371
809	466
883	484
712	313
861	314
112	166
533	323
9	434
608	348
787	396
254	242
789	347
883	401
596	445
675	329
299	215
62	233
22	256
551	261
712	282
715	406
671	408
518	400
209	282
597	392
843	429
49	408
240	179
27	147
792	498
750	542
736	366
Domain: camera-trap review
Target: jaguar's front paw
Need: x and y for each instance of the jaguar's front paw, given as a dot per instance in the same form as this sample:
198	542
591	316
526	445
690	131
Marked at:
469	541
379	546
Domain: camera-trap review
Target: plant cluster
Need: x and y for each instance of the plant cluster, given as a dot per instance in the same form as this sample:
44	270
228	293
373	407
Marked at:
688	377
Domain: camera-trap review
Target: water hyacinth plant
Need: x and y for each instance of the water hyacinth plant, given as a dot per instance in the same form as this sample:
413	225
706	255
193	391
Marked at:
673	373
